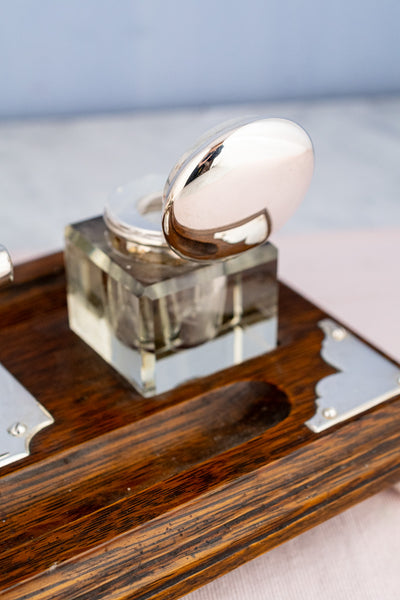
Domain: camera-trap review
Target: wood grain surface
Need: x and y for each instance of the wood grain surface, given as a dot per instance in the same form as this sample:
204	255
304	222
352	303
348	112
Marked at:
132	498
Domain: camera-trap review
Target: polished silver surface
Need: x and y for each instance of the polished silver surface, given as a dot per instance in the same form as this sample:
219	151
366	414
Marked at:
237	185
21	417
6	267
365	378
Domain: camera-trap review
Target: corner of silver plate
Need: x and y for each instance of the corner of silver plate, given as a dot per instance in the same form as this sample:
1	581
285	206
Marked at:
365	378
21	417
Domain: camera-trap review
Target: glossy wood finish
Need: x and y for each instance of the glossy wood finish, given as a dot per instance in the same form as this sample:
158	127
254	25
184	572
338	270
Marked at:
125	497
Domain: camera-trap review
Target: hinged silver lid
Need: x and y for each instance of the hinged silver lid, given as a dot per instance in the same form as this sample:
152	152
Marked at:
235	186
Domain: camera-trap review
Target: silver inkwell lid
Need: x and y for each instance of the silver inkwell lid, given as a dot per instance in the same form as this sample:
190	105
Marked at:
226	195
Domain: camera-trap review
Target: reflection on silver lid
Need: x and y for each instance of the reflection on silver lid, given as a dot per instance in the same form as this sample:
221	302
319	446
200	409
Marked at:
235	186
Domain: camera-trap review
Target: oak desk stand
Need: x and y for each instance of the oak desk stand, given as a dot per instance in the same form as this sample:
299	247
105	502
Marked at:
132	498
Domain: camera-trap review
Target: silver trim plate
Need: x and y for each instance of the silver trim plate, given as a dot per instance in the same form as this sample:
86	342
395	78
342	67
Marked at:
21	417
365	378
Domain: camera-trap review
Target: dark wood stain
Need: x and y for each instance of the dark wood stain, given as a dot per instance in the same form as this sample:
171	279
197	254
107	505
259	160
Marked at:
125	497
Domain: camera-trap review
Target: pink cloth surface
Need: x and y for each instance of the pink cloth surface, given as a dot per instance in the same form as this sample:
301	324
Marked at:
355	555
353	275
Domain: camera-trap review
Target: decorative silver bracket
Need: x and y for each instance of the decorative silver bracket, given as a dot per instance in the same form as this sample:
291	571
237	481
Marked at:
21	417
365	379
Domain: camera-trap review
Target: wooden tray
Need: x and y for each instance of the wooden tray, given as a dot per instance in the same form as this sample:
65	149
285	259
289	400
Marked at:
124	497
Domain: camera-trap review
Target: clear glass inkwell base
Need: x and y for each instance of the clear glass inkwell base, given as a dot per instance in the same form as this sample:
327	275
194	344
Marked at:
161	320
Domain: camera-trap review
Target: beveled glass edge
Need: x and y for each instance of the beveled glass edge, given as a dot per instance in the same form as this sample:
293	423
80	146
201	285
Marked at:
201	273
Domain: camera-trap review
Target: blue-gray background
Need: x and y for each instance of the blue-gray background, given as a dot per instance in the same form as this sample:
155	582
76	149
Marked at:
60	57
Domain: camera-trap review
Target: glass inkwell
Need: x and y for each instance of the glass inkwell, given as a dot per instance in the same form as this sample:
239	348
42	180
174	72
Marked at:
164	305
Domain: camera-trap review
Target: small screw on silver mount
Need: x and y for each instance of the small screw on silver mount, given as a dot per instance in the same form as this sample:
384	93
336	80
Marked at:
339	334
329	413
17	430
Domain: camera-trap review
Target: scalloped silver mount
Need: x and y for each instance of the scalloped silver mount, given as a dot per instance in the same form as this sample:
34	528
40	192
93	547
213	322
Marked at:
365	378
21	417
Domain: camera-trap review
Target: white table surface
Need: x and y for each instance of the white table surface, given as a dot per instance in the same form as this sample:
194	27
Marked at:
342	249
